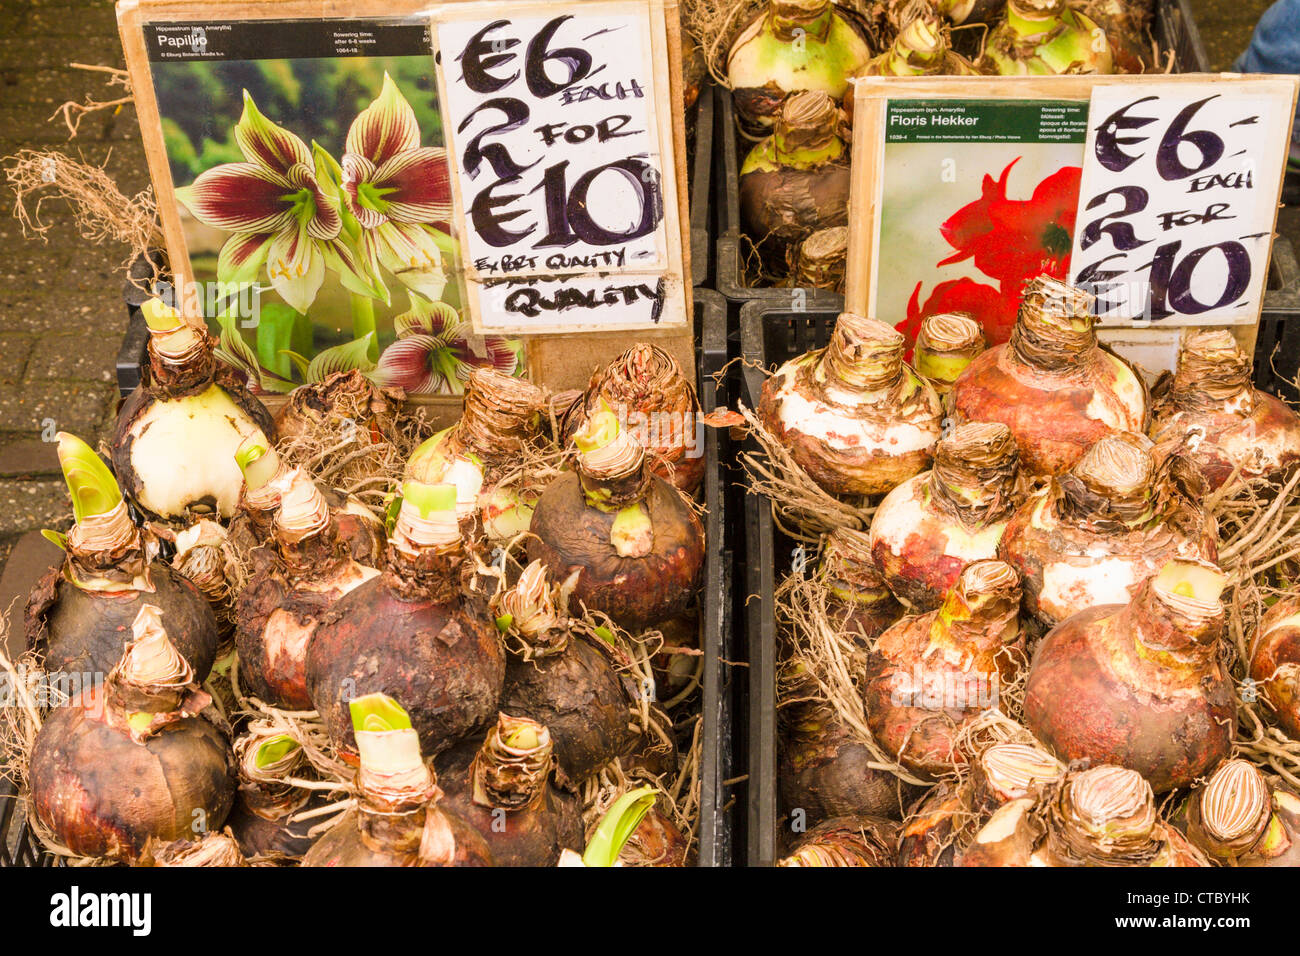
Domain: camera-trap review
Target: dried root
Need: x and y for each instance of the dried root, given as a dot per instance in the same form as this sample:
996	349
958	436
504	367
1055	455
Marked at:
73	113
800	508
1258	546
101	211
832	659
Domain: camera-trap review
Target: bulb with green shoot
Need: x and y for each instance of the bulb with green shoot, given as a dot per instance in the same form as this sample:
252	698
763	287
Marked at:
269	762
504	788
636	543
79	615
1046	38
609	842
796	181
400	818
176	436
921	48
130	761
265	476
791	46
410	633
560	672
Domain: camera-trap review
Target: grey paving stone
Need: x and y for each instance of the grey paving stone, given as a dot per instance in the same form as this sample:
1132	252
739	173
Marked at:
15	349
28	505
66	406
78	356
28	458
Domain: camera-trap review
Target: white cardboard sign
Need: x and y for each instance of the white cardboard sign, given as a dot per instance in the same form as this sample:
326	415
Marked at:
1178	200
562	153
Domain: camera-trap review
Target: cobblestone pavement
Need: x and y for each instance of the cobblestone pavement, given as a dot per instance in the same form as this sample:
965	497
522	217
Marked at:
61	314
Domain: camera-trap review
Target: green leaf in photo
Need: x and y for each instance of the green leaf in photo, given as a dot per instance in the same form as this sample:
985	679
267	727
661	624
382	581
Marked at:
281	329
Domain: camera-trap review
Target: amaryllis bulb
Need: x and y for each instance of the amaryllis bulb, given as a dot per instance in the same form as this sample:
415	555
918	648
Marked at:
1092	537
921	48
1238	818
764	64
822	259
849	840
796	181
854	416
1013	770
1275	663
935	523
1044	38
648	392
1140	685
931	673
1056	389
1225	423
945	345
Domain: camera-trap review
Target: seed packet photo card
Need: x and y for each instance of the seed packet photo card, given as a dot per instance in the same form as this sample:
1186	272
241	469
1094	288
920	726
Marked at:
299	157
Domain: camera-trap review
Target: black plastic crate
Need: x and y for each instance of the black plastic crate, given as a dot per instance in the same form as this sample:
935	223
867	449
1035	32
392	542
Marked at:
769	336
772	335
718	740
1277	349
701	185
18	845
719	687
1174	29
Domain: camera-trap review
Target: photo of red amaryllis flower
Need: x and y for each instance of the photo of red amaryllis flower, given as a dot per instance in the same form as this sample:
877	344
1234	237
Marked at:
282	211
436	350
399	193
993	308
1010	239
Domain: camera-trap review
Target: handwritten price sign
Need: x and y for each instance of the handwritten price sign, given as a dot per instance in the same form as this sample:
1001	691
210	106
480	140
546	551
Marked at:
1178	199
564	166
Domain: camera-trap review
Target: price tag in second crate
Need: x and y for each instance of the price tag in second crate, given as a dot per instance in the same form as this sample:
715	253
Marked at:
1179	199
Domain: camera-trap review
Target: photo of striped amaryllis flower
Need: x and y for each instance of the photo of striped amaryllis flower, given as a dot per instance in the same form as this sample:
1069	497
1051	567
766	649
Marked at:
436	350
399	194
282	210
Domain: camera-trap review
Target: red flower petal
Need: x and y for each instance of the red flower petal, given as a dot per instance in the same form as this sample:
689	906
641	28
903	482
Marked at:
992	308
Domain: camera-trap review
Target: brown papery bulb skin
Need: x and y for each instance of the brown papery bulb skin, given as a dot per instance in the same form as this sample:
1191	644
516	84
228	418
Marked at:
656	842
850	840
649	392
946	344
860	604
931	673
1072	542
785	194
938	832
821	260
349	844
823	766
637	591
102	794
1104	816
582	700
1275	663
1224	421
1051	384
84	632
934	524
1139	685
422	646
855	417
276	615
528	835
